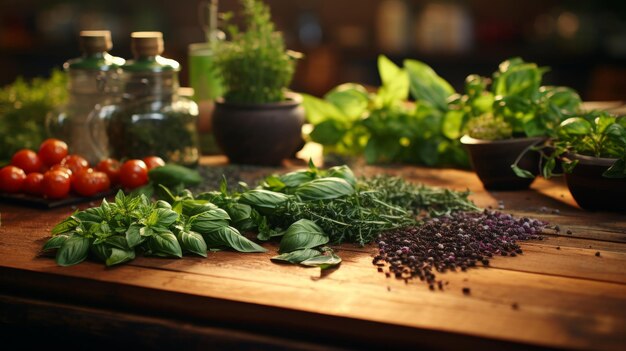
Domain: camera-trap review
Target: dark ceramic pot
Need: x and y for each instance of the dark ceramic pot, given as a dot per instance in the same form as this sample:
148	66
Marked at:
591	190
492	160
259	134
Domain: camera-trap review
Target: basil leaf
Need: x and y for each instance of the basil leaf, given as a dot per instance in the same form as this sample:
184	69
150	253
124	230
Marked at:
238	212
192	242
293	179
395	87
576	126
323	261
344	172
427	86
263	199
117	241
118	256
303	234
194	207
296	256
165	245
146	231
522	173
133	236
74	250
318	110
67	225
101	251
55	242
328	132
349	98
452	122
166	217
230	237
324	189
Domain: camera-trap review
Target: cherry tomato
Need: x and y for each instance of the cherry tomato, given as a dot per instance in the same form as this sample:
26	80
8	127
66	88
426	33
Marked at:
89	183
33	184
11	179
153	161
133	174
27	160
75	163
52	151
60	167
111	167
56	184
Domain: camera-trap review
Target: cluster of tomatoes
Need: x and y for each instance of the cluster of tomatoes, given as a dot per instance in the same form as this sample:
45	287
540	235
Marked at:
52	173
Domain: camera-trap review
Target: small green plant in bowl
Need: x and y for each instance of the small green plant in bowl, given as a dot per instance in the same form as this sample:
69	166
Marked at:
592	151
258	121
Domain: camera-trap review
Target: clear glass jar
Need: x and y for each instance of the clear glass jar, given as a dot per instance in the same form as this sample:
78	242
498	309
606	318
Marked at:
152	119
93	82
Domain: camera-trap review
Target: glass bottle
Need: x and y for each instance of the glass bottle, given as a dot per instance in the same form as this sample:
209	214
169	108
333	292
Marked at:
93	82
153	119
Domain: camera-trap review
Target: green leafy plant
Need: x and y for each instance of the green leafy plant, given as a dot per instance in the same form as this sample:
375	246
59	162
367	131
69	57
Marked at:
516	105
254	64
596	134
383	126
23	109
114	232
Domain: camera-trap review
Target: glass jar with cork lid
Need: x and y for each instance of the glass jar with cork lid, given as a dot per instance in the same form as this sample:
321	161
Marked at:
153	119
93	83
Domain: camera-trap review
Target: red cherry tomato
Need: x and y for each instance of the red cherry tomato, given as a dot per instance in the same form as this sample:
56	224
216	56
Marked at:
153	161
33	184
111	167
11	179
60	167
52	151
56	184
75	163
89	183
133	174
27	160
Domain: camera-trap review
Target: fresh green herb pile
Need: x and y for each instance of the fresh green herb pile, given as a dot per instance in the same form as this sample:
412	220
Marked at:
305	209
254	64
23	109
384	127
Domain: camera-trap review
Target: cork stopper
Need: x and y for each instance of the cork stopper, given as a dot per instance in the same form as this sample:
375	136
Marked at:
146	43
94	41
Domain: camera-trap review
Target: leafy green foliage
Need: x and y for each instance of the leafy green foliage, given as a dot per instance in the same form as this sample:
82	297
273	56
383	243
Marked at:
23	109
254	65
385	127
595	133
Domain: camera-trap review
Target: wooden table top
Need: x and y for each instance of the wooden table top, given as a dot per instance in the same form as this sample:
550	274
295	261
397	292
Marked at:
558	294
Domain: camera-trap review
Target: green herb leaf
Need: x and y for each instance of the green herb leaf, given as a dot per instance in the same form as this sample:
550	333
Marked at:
165	245
522	172
576	126
296	256
65	226
328	132
324	189
230	237
344	172
452	122
294	179
55	242
263	199
118	256
427	86
166	217
192	242
303	234
74	250
323	261
318	110
133	236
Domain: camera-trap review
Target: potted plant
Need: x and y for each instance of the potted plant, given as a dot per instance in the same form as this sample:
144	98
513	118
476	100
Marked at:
257	121
509	119
592	150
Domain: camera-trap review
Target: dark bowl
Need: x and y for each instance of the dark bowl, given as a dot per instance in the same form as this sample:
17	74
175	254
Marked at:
591	190
492	160
259	134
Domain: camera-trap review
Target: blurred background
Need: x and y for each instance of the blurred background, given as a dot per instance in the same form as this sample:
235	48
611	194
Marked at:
584	42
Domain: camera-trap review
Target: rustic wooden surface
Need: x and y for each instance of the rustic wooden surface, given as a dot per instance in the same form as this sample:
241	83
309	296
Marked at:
565	295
